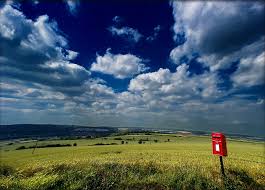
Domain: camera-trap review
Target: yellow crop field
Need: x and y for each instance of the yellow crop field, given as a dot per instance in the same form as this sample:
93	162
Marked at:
120	162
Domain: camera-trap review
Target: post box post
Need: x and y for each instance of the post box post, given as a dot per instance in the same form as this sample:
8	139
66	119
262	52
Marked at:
222	165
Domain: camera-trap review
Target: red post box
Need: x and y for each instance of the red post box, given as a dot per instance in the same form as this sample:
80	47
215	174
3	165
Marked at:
219	144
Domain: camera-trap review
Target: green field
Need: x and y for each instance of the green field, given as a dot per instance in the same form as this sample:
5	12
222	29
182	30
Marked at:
173	162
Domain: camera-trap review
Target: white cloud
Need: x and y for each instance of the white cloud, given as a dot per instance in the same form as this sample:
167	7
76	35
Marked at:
13	3
250	71
72	6
178	100
120	66
177	53
44	34
179	85
39	37
71	55
9	28
66	71
117	19
35	2
164	91
41	64
127	33
215	62
41	54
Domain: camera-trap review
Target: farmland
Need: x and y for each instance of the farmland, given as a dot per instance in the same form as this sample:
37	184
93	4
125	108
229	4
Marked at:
135	161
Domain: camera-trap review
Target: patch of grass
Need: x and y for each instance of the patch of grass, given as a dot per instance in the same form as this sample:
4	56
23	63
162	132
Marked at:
138	175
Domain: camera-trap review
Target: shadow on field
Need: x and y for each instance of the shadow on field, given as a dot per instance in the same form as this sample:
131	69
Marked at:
127	176
6	170
240	179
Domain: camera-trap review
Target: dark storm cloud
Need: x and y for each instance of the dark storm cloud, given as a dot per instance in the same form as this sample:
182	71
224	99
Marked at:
219	27
228	33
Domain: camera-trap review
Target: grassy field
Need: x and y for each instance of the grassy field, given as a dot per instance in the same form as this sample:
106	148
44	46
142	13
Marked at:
162	162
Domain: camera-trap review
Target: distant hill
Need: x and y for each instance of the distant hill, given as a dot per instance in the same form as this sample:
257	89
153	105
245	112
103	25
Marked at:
49	130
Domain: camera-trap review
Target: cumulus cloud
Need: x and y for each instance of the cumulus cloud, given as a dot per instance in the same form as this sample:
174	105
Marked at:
41	73
250	71
179	99
32	36
229	27
41	78
41	54
218	35
233	32
176	86
127	33
155	33
120	66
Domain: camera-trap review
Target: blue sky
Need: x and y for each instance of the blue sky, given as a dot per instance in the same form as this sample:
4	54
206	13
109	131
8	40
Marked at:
187	65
